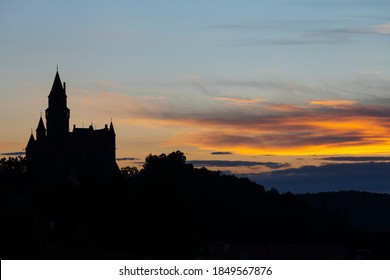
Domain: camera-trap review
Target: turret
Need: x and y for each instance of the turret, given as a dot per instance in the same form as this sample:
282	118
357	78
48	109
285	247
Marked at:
31	143
41	131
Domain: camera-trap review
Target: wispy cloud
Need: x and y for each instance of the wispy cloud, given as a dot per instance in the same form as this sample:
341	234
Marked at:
127	159
316	37
13	154
311	128
221	153
299	125
286	142
333	103
340	35
379	29
237	163
300	40
232	27
357	159
240	101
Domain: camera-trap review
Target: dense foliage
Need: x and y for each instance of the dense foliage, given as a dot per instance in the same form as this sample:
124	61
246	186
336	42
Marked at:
168	209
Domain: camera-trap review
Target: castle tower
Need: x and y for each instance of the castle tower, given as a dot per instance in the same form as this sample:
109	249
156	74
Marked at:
57	114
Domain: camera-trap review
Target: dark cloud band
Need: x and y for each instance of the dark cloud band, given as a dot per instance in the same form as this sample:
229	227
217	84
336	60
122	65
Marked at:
357	158
13	154
237	163
369	176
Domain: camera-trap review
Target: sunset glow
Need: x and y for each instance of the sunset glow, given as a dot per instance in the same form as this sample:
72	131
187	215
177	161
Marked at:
217	80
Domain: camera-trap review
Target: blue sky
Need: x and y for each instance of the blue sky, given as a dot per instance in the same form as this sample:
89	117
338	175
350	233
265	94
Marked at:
246	79
161	41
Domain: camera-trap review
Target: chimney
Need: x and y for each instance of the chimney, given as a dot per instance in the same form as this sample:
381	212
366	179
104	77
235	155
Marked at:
64	87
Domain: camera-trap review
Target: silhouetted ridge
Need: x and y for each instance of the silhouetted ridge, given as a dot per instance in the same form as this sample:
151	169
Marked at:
171	210
366	211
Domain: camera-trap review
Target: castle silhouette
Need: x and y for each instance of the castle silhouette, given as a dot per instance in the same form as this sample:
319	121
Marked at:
56	150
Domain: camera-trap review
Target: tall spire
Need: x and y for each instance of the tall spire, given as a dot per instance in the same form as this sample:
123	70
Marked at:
112	131
57	88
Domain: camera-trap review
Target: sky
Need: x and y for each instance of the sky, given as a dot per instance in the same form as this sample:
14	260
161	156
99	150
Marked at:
271	90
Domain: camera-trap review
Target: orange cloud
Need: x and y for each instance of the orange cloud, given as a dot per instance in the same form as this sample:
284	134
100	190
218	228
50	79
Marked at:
284	108
333	103
314	127
295	135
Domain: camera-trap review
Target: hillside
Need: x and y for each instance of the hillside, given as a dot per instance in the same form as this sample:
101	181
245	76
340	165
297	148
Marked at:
365	211
171	210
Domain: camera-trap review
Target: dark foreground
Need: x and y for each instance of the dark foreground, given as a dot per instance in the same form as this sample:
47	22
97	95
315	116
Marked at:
171	210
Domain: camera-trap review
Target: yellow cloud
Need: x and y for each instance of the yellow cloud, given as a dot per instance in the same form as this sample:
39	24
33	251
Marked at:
333	103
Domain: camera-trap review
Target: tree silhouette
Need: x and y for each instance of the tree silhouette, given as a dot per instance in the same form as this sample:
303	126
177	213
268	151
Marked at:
129	172
13	165
172	210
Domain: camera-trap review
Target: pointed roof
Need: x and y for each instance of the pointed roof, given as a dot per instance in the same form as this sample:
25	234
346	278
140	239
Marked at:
41	126
112	131
31	142
57	88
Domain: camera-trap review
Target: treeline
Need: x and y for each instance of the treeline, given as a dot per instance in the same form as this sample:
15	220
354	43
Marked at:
365	210
167	210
